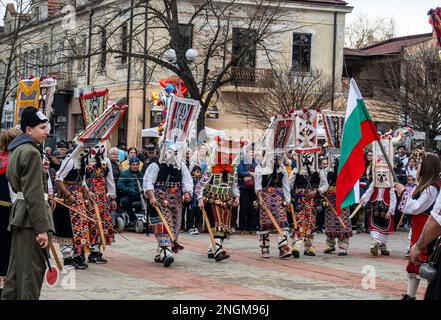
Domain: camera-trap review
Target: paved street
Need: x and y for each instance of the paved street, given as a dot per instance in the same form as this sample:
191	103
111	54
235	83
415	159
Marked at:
132	274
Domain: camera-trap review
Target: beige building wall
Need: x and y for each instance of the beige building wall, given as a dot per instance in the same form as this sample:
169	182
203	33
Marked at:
314	19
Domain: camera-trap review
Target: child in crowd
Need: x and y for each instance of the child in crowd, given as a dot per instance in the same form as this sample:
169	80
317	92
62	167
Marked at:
194	214
410	187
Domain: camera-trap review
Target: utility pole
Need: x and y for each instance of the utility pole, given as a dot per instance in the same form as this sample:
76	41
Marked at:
144	83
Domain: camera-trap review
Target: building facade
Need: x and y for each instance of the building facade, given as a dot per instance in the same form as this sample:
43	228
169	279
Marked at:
71	40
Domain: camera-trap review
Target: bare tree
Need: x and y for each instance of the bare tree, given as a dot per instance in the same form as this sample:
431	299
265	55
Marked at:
364	30
211	21
413	88
12	41
288	91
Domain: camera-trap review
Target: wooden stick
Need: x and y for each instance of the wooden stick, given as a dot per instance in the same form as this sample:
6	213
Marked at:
355	211
270	215
84	215
399	223
291	206
210	232
54	253
100	224
170	233
333	209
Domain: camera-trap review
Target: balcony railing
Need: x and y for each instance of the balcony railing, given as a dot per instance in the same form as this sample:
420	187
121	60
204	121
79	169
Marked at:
252	77
65	80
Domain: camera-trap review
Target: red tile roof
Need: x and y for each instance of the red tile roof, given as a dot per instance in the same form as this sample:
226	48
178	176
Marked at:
391	46
354	52
53	6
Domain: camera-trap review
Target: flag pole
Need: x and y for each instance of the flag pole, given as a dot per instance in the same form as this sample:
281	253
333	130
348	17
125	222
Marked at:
391	168
383	151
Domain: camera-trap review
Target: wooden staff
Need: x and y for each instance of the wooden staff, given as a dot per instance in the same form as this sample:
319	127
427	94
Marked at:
333	209
291	206
54	253
60	202
100	224
170	233
273	220
399	223
355	211
210	232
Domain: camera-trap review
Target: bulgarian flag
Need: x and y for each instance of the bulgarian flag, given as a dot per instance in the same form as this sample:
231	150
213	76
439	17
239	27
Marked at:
359	130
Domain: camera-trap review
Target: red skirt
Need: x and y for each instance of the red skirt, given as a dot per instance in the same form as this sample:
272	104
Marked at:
418	223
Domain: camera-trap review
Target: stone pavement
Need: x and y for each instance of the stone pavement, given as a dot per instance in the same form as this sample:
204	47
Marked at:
132	274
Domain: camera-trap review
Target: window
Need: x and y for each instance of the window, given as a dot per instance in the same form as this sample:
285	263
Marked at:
25	64
301	52
186	32
103	49
124	42
244	48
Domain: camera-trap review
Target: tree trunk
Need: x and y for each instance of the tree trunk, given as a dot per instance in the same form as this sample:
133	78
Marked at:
200	132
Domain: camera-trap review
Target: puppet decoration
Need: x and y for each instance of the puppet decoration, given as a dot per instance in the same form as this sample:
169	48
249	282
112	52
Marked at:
93	105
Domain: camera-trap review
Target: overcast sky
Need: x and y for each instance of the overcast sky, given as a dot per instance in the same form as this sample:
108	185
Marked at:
410	15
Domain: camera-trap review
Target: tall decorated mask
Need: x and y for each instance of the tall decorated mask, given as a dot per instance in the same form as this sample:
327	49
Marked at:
381	172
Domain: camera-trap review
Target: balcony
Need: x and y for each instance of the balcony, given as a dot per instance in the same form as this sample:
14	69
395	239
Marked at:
252	77
65	80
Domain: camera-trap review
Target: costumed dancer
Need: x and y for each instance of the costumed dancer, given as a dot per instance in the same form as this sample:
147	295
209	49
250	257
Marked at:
272	189
272	185
334	229
382	198
419	204
304	186
72	231
168	181
6	200
219	187
305	180
165	184
99	180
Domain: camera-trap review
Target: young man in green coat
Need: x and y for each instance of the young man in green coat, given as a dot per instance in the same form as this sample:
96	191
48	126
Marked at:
31	219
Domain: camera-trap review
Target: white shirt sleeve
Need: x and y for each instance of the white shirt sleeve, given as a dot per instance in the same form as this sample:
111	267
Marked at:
324	185
436	211
187	181
368	194
424	202
111	188
150	176
292	179
258	179
393	201
286	188
236	192
65	167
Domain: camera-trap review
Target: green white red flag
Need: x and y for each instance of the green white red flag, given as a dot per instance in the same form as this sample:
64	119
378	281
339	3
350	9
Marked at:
359	131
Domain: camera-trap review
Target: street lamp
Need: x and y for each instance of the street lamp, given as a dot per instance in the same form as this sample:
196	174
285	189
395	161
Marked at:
191	55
